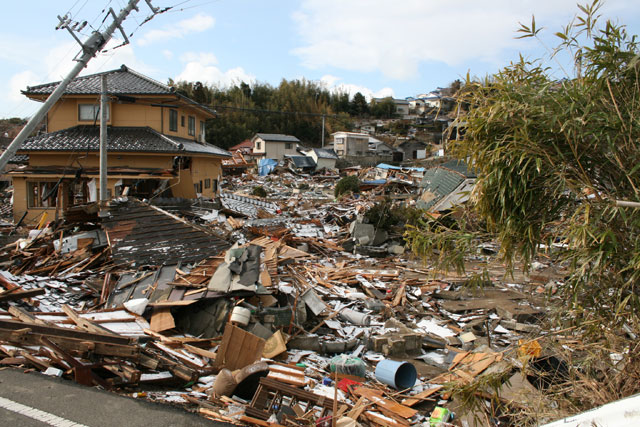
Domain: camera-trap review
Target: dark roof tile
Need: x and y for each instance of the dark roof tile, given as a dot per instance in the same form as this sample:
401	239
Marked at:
122	81
120	139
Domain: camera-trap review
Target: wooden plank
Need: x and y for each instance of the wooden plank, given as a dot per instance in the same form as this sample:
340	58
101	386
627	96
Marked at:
25	316
410	401
375	396
12	295
358	408
200	351
86	324
162	320
258	422
7	326
382	420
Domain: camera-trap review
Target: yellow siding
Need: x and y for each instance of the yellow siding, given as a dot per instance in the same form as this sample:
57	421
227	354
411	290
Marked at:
183	185
65	115
206	168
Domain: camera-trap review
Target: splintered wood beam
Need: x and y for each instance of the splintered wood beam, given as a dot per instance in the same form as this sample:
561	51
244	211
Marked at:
86	324
14	294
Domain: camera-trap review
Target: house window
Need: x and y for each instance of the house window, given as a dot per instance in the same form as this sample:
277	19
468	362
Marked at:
214	188
198	187
192	125
207	183
173	120
181	121
257	145
287	146
41	194
90	112
202	131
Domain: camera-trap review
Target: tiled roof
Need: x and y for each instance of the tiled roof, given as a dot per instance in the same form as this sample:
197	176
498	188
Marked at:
121	139
122	81
244	144
143	234
277	137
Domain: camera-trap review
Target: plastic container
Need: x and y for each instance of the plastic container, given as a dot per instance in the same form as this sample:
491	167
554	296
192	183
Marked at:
344	364
355	317
240	315
399	375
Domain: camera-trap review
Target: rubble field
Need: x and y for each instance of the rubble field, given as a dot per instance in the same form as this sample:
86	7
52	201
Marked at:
289	309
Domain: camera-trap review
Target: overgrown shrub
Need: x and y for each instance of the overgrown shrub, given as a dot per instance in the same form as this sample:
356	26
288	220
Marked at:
348	184
259	191
385	215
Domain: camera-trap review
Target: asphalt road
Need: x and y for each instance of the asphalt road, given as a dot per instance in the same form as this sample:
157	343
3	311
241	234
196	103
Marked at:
33	399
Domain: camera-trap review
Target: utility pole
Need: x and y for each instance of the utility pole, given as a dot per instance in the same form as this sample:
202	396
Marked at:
94	44
323	116
103	141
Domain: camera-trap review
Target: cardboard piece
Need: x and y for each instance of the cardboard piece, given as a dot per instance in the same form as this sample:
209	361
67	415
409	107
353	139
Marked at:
238	349
274	346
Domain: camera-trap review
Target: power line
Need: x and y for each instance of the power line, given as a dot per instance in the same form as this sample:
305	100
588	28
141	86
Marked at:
293	113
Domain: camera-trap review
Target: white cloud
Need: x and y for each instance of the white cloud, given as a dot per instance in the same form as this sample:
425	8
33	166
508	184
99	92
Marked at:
20	82
196	24
204	58
201	67
397	37
49	64
167	54
333	84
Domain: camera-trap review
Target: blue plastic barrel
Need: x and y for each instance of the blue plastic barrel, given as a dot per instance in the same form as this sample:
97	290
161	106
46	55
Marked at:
399	375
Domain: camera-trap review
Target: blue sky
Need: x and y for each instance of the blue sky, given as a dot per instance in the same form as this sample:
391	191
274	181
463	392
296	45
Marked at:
377	47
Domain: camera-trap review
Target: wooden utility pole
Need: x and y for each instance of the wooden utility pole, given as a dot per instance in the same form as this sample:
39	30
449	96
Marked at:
103	140
94	44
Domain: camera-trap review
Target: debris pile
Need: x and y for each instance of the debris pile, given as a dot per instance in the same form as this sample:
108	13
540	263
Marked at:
282	311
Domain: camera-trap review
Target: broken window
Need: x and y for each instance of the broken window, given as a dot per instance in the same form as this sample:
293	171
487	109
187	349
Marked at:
41	194
173	120
202	131
198	187
192	125
77	192
207	183
90	112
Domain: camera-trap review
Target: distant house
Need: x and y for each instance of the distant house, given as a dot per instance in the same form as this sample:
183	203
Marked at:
414	149
402	106
368	128
274	145
303	164
417	105
446	186
324	158
350	143
384	151
245	147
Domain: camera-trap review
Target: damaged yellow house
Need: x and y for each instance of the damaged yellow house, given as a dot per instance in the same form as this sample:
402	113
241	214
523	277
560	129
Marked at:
156	146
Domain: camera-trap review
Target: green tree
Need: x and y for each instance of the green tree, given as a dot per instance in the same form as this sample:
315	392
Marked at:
552	159
383	109
359	106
